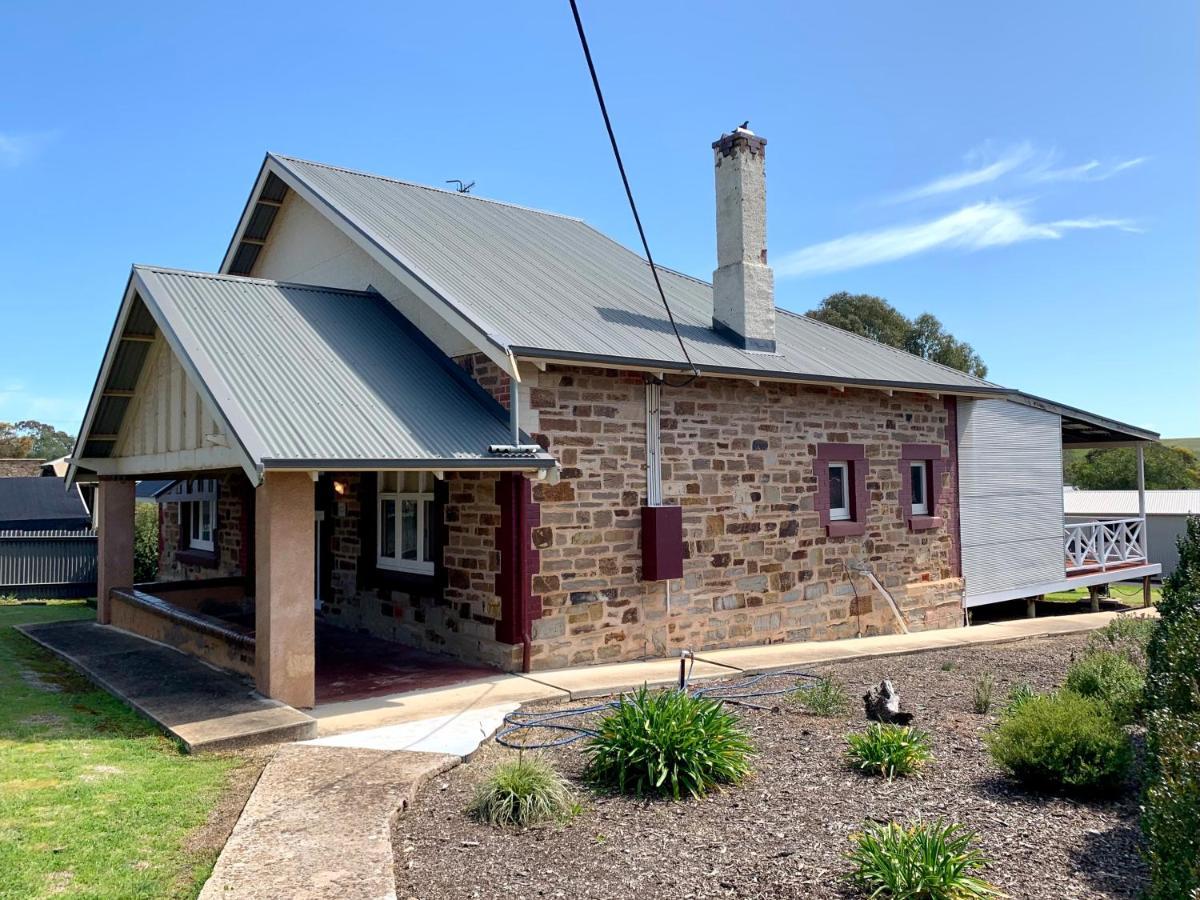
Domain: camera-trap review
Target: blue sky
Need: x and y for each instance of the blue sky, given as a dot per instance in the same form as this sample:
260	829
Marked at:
1028	172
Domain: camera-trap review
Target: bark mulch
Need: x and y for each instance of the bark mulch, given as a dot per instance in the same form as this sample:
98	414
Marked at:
784	832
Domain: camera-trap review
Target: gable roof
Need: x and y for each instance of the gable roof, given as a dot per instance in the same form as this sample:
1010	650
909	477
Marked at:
545	286
37	503
312	377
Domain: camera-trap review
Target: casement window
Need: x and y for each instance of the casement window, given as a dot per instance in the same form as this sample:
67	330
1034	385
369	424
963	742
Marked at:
198	515
404	522
922	468
842	500
839	492
918	487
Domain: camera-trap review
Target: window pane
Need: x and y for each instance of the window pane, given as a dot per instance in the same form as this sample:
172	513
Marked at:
837	487
918	483
387	483
408	529
206	521
387	528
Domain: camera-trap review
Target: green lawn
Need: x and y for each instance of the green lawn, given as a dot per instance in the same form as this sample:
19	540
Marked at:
94	802
1128	594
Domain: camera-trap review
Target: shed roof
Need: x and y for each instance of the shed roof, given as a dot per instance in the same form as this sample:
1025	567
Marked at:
1125	503
28	503
312	377
543	285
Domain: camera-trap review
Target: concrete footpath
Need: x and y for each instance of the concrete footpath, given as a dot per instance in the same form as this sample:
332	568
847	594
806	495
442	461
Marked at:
318	824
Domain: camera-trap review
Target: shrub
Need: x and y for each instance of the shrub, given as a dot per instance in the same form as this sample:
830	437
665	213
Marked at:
981	694
1127	635
1062	741
522	791
889	750
145	542
925	861
1171	807
1109	676
1173	677
669	744
948	666
823	698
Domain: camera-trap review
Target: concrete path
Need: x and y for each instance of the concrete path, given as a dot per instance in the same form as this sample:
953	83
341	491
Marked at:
319	825
204	708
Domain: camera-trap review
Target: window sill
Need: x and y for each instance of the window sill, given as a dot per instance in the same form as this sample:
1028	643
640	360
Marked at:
204	558
924	523
396	580
845	528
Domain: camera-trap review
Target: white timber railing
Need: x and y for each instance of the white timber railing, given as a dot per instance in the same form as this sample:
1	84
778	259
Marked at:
1100	544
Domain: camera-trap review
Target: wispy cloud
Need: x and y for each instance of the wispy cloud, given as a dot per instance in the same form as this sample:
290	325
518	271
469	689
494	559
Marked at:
986	165
18	402
1093	170
994	223
17	149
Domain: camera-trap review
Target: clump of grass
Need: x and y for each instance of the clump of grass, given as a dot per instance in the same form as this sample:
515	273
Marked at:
948	666
1062	741
924	861
889	750
826	698
1017	697
1108	675
523	791
981	694
669	744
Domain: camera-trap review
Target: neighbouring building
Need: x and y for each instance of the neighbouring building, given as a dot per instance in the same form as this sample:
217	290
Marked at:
471	427
1164	512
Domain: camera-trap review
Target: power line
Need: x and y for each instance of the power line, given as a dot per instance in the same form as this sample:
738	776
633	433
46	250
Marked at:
629	194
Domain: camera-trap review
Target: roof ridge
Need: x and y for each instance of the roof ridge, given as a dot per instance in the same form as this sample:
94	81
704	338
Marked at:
424	187
873	342
272	282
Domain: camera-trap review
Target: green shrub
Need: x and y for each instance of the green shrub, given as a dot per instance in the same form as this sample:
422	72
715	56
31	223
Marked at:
1109	676
523	791
669	744
823	698
1062	741
1127	635
145	542
925	861
981	694
889	750
948	666
1171	806
1173	676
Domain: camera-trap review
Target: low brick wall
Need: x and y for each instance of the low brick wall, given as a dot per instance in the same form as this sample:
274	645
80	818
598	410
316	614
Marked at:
193	633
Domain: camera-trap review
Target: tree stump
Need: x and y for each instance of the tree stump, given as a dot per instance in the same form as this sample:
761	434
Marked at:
883	705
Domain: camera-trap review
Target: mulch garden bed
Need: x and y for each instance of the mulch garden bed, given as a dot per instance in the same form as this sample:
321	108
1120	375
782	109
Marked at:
784	832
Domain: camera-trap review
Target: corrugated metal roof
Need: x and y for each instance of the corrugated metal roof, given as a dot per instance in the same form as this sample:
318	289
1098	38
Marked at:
38	502
321	377
1125	503
546	285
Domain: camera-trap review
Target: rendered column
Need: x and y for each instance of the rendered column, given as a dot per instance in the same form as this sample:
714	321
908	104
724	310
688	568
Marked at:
114	526
284	660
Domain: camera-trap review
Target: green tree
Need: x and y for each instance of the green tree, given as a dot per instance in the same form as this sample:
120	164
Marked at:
31	439
1114	469
875	318
145	542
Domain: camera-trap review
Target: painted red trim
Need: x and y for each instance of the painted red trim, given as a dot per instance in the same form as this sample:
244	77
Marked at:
855	455
935	470
519	515
951	513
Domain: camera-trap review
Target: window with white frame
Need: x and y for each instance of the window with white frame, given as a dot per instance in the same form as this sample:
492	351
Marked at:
404	509
839	491
918	475
198	515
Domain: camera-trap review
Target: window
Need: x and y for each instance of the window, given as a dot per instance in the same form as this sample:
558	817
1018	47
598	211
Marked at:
839	492
918	487
405	519
198	516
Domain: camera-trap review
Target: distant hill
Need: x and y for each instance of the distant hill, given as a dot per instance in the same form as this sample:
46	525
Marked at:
1192	444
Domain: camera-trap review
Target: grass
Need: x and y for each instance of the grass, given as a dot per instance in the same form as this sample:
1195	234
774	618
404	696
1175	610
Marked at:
825	697
1126	594
981	694
889	750
94	802
523	791
923	861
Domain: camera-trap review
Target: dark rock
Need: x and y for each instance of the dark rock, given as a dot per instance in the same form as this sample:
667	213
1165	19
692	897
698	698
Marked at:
883	705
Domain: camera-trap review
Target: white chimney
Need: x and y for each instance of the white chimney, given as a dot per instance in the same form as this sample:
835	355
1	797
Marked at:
743	284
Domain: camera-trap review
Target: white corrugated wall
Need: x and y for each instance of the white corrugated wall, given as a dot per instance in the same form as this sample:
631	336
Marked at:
1011	500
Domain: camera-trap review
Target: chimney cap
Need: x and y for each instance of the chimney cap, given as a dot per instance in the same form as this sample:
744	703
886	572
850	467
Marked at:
741	136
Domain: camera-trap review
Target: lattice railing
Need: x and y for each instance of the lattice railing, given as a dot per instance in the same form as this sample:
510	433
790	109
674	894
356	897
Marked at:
1102	544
